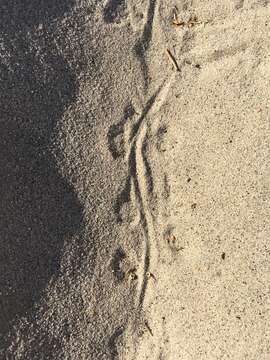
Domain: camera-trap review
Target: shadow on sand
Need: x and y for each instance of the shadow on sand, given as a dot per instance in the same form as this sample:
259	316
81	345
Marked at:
39	210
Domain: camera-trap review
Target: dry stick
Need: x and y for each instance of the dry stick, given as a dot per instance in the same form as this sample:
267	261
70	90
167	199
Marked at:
148	328
171	57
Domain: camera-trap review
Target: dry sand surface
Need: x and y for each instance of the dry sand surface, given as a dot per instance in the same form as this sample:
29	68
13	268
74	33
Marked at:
135	179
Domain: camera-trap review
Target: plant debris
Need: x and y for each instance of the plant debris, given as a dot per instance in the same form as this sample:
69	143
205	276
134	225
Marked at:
173	61
193	20
148	328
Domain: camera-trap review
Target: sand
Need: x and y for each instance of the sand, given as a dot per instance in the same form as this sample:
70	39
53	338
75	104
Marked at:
134	178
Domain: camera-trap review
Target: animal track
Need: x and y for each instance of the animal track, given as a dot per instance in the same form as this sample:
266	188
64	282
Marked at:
144	41
115	11
146	37
113	342
131	180
167	189
140	180
123	198
239	4
119	12
137	14
160	138
148	171
171	240
118	257
116	133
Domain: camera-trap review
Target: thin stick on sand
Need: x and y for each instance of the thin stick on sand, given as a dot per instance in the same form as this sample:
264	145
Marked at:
173	61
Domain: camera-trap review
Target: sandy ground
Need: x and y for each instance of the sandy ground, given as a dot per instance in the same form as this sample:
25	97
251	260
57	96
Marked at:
134	177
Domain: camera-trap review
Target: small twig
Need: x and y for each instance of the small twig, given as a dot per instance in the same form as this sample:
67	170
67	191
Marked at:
173	61
176	22
148	328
